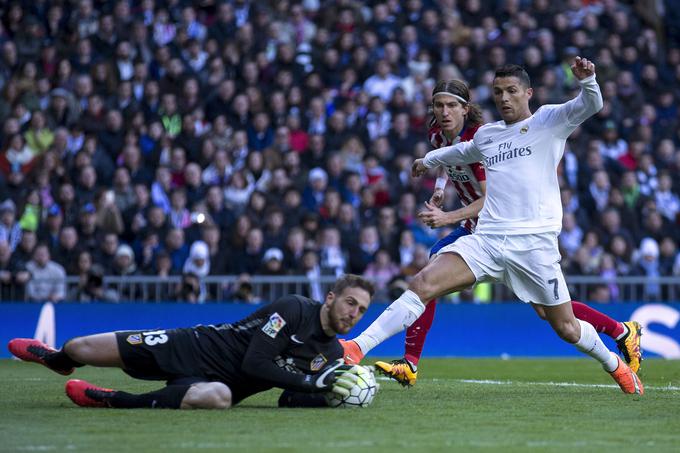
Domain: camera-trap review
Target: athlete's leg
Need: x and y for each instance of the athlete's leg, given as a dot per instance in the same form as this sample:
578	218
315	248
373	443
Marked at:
446	273
601	322
417	332
586	340
583	335
32	350
207	395
626	334
534	274
405	370
202	395
97	350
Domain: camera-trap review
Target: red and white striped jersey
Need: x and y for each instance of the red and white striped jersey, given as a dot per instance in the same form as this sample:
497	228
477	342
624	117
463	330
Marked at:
465	178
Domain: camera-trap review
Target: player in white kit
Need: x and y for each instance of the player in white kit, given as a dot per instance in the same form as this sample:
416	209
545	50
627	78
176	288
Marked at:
516	237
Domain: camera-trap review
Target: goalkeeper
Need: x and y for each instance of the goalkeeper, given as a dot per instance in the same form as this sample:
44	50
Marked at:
290	344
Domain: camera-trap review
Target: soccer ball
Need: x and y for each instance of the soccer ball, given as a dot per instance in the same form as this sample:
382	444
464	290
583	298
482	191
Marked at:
361	395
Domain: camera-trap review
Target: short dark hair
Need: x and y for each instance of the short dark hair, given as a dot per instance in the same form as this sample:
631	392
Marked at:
353	281
513	70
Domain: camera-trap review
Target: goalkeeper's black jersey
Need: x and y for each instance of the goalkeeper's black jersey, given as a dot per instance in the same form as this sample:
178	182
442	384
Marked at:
278	345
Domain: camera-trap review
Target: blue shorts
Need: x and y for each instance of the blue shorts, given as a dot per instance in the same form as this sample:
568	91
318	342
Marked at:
449	239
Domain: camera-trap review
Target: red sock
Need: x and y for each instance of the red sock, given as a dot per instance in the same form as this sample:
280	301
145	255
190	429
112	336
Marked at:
415	335
599	320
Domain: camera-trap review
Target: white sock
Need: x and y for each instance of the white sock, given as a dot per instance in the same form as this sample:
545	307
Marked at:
590	343
398	316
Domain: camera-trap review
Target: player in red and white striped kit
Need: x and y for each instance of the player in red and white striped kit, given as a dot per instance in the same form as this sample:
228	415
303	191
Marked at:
457	119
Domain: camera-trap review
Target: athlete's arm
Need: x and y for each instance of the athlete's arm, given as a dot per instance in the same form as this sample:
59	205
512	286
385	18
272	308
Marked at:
434	217
458	154
268	343
437	197
569	115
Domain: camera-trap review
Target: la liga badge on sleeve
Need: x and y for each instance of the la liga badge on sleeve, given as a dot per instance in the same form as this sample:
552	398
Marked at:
273	325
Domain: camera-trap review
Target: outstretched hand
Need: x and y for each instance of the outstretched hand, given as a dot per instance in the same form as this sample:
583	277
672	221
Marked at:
582	68
418	168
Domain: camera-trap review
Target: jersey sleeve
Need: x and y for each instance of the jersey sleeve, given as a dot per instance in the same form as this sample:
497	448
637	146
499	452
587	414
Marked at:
270	341
458	154
564	118
479	171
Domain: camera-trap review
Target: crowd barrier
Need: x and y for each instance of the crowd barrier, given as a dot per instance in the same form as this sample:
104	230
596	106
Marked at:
460	330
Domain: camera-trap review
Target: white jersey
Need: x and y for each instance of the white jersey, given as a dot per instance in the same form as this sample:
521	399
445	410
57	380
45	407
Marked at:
522	192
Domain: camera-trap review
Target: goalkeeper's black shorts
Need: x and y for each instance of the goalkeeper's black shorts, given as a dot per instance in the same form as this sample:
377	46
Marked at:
169	355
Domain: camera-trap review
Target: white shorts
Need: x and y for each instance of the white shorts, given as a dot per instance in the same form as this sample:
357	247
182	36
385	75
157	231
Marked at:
528	264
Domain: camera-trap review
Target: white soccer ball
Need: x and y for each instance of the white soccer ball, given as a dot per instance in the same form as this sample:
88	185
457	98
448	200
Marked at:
360	395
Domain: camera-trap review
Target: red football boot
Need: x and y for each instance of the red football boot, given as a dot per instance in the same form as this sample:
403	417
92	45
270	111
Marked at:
30	350
352	354
85	394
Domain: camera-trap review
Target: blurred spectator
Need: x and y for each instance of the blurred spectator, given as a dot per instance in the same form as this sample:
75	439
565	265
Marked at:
621	251
332	257
313	195
294	249
92	288
571	235
48	278
189	289
648	265
272	264
382	83
124	266
198	264
381	272
249	259
667	256
608	274
363	253
49	231
106	253
10	230
667	202
612	146
244	291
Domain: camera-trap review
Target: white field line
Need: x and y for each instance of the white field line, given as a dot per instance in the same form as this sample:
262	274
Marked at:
669	387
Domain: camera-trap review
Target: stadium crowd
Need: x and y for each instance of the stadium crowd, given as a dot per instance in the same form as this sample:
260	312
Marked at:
156	137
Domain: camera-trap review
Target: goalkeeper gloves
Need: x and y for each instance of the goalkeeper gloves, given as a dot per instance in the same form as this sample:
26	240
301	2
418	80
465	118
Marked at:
337	378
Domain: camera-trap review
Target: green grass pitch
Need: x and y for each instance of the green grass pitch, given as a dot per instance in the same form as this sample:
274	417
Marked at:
458	405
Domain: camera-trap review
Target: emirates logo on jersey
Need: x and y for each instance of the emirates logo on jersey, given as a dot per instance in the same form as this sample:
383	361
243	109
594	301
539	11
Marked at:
507	152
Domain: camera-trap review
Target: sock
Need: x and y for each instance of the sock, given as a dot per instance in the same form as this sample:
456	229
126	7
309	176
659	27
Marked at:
591	344
61	361
417	332
601	322
398	316
624	331
169	397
